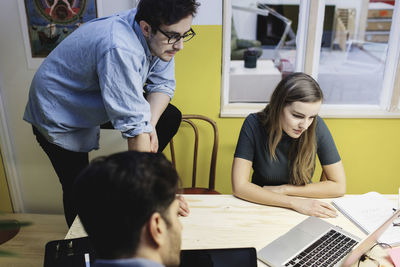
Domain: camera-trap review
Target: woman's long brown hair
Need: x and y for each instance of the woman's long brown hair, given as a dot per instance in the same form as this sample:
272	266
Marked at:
295	87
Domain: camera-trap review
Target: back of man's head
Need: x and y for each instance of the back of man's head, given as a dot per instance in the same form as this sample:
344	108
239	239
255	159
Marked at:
165	12
116	195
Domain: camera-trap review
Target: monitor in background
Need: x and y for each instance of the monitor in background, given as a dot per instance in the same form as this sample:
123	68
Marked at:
270	29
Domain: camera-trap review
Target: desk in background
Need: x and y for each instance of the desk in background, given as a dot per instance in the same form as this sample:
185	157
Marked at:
252	84
221	221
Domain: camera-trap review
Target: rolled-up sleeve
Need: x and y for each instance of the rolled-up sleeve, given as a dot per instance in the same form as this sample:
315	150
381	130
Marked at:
162	78
122	91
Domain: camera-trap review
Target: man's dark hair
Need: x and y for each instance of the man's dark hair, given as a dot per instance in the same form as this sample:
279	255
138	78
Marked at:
164	12
116	196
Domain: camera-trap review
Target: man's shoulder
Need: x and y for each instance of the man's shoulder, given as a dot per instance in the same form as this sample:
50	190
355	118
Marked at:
126	17
132	262
118	25
116	31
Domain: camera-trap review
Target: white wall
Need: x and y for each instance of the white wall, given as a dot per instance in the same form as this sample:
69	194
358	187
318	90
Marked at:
16	79
33	183
38	184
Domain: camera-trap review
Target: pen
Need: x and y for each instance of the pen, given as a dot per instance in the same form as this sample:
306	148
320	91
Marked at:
87	260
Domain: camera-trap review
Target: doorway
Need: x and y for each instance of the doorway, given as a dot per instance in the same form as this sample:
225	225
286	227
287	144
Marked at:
5	200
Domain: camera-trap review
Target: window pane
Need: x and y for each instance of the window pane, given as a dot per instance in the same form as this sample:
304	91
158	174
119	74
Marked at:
352	65
263	47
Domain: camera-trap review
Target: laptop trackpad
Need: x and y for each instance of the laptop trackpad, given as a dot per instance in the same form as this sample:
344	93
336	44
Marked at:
285	246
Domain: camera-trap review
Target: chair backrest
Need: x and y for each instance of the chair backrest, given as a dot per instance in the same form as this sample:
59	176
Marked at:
211	185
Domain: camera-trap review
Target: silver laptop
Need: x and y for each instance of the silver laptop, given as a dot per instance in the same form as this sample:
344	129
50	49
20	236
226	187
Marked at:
314	242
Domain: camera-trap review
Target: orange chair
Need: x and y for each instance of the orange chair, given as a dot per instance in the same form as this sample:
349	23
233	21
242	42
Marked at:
211	185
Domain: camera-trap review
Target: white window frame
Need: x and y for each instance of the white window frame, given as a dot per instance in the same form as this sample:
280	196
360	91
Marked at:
310	33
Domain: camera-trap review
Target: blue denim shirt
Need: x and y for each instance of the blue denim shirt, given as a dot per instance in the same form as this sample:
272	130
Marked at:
135	262
95	75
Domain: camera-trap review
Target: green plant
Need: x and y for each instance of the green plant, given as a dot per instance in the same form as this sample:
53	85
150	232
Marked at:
9	228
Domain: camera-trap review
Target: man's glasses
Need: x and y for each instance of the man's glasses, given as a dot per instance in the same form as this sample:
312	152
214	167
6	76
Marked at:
365	257
175	38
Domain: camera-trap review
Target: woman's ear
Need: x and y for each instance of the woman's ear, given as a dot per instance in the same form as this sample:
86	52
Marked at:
145	27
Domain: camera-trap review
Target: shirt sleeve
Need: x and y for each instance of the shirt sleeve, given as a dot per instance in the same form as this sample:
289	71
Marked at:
326	148
246	144
161	78
122	91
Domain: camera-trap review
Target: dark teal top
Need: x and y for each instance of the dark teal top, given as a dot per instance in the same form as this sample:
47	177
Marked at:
252	145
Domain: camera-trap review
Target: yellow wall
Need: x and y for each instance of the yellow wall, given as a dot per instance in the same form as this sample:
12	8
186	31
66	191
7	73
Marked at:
5	202
369	147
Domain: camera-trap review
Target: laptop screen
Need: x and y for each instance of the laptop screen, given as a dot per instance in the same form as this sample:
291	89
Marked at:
227	257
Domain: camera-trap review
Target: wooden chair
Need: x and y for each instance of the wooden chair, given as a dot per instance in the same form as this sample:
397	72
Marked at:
211	185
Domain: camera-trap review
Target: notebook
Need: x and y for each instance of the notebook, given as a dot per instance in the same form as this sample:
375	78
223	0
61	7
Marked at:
368	212
227	257
313	242
369	241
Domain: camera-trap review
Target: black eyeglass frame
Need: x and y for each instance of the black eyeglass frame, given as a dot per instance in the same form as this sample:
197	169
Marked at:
190	32
365	256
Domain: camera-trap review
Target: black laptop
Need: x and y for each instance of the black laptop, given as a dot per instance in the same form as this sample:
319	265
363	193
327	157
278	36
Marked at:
224	257
71	253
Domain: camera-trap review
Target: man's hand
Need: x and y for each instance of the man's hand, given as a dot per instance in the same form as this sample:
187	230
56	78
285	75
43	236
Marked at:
153	141
313	207
140	142
183	206
158	102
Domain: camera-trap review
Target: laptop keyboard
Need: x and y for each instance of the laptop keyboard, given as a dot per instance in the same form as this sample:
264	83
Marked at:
326	251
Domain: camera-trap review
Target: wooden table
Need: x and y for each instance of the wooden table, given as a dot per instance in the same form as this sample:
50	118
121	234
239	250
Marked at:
30	242
221	221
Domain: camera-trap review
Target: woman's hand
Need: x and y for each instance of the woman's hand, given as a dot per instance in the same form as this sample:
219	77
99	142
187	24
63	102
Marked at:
313	207
183	206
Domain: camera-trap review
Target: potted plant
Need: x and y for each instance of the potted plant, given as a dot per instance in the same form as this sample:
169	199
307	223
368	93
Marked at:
9	229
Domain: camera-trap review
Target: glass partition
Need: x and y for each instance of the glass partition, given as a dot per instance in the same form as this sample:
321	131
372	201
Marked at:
263	47
351	68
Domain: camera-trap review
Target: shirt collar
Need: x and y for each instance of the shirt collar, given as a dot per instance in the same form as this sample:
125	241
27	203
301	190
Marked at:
137	262
142	39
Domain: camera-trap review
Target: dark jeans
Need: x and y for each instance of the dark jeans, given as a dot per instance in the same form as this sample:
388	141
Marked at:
68	164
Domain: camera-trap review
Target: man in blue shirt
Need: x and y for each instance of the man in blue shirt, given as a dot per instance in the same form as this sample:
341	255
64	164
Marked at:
117	72
129	210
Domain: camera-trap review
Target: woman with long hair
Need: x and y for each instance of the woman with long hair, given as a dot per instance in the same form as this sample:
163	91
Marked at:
280	143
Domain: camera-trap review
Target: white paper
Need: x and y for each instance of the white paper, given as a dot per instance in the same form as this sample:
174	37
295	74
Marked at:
369	211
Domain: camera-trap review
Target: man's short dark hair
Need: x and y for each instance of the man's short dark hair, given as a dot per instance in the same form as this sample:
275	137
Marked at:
116	196
165	12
